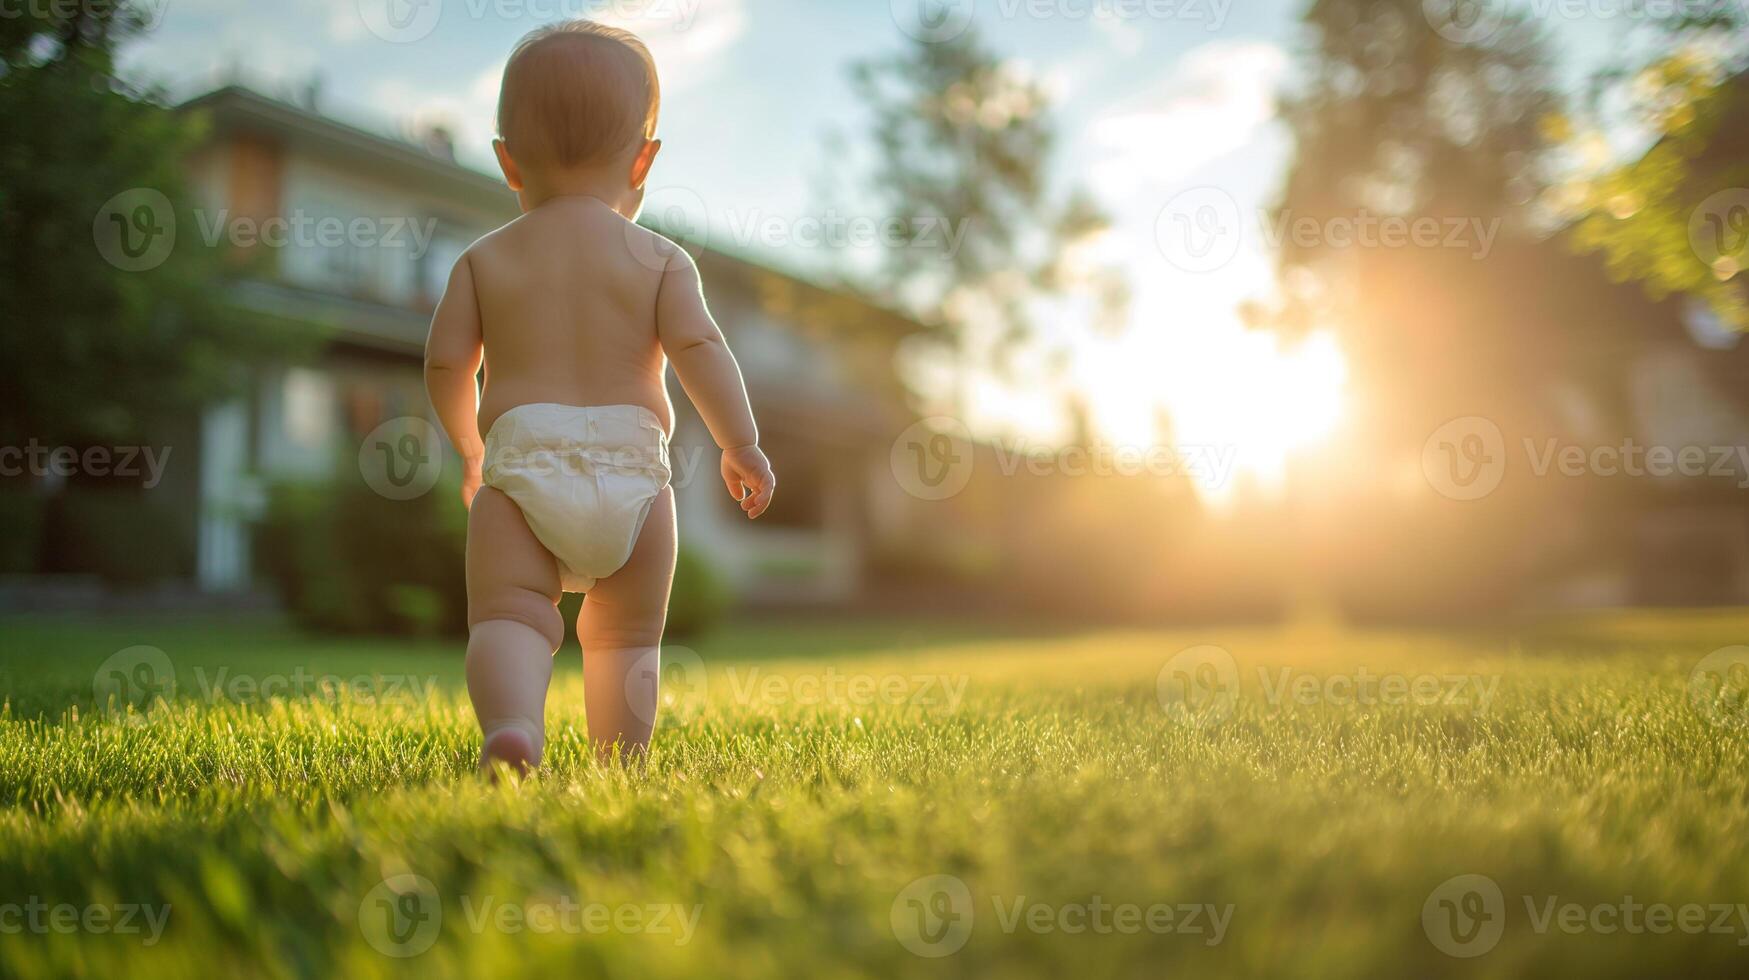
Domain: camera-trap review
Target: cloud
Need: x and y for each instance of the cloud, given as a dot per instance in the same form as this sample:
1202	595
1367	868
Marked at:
1124	37
1212	103
688	40
469	113
686	37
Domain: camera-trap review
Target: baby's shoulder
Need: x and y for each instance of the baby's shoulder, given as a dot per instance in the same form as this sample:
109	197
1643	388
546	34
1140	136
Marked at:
655	250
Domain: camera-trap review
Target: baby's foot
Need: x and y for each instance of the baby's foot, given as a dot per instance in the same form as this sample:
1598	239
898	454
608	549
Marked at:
512	748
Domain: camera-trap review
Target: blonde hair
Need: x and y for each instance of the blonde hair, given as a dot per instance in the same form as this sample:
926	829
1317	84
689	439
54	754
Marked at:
576	93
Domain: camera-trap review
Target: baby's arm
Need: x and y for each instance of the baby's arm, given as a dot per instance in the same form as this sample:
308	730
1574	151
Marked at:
712	379
452	361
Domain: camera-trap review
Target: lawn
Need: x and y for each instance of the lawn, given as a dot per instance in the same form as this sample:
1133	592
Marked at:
831	799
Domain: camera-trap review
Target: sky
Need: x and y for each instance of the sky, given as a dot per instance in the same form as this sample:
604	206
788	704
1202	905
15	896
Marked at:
1165	111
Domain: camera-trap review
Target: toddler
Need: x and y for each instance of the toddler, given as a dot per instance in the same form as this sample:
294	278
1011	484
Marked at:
575	312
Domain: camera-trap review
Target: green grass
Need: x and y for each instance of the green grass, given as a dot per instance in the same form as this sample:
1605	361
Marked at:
789	812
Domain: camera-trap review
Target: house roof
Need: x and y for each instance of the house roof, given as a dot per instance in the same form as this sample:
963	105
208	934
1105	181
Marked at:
238	108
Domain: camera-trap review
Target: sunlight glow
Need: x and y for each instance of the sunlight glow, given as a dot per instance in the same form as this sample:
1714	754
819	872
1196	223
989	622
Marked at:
1224	386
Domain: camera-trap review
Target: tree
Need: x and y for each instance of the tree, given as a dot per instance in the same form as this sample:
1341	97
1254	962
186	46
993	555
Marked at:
1391	118
1676	218
962	141
96	352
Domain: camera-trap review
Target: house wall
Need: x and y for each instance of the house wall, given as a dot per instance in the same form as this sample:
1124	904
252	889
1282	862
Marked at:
299	419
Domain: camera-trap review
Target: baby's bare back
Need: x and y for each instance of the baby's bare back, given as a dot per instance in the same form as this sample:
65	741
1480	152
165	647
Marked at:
567	296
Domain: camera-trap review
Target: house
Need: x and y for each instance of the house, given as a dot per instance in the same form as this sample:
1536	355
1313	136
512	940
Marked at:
818	361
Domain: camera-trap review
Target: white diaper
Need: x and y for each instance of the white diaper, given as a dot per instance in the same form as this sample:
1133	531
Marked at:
584	478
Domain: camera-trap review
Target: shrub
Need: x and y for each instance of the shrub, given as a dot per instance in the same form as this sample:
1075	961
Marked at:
349	560
118	535
21	517
701	596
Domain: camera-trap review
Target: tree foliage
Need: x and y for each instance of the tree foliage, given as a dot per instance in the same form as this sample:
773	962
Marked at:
962	138
94	352
1390	118
1675	218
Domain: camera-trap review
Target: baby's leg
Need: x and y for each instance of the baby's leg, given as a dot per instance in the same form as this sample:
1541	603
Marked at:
514	628
621	630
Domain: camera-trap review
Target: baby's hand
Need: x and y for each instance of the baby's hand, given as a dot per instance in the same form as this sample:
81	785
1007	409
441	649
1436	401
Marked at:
746	466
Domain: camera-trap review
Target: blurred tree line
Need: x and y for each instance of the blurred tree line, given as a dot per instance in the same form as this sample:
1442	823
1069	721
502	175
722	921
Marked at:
98	356
96	352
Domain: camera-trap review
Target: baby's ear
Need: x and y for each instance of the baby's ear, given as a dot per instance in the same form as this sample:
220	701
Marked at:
512	175
642	163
